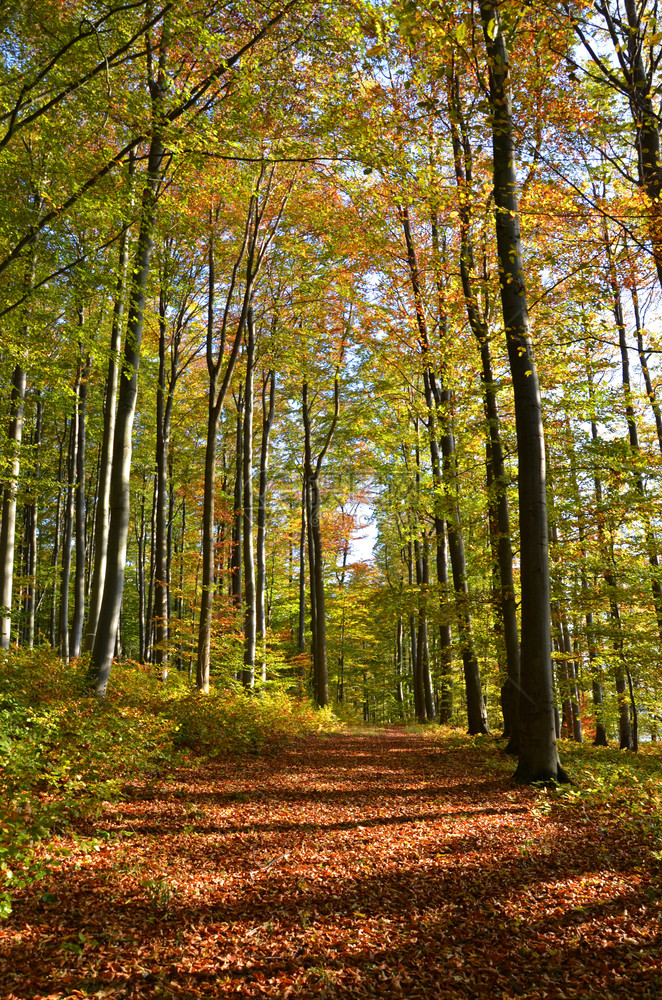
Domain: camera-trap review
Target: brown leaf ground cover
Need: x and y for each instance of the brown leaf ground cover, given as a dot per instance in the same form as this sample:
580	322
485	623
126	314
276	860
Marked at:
378	864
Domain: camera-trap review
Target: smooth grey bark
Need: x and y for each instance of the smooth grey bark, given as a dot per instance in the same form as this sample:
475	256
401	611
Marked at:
250	610
268	414
80	514
538	758
68	526
102	511
32	534
141	541
56	540
498	511
9	495
105	640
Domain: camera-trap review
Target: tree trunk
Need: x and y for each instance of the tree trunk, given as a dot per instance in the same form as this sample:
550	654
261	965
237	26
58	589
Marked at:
261	578
32	533
236	584
250	613
81	519
9	494
119	501
68	525
102	512
163	496
496	476
538	758
301	625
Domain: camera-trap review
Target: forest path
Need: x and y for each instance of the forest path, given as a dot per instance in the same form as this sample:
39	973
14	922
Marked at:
377	864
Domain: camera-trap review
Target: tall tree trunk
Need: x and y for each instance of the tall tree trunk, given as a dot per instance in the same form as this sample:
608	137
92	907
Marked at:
81	520
437	399
68	525
261	578
219	383
496	476
538	758
119	503
312	577
163	496
236	584
33	533
250	613
56	539
312	472
301	624
9	494
102	512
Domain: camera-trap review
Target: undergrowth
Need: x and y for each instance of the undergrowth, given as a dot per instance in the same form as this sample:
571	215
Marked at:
63	754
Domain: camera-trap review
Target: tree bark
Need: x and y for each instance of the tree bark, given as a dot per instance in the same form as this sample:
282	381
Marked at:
250	612
80	512
32	532
538	758
68	526
102	512
119	502
9	495
261	577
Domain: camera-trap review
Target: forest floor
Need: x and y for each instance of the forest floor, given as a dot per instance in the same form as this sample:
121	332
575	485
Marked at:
367	864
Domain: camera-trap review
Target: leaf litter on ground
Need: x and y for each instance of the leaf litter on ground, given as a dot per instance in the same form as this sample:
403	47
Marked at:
371	864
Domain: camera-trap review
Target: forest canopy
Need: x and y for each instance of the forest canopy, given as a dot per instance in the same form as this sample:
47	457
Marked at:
270	269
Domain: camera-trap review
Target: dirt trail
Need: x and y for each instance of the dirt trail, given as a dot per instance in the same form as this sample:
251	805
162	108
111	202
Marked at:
378	865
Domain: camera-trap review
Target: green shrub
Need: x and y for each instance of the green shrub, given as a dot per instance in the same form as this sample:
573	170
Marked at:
63	753
238	721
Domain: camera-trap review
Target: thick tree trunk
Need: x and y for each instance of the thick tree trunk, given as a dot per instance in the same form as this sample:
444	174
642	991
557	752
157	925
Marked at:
538	758
496	477
118	531
102	512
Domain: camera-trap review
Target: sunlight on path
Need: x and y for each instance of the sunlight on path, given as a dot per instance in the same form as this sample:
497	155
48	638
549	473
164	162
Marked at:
372	865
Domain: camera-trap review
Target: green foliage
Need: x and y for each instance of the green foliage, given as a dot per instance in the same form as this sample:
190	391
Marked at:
625	789
231	722
63	753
